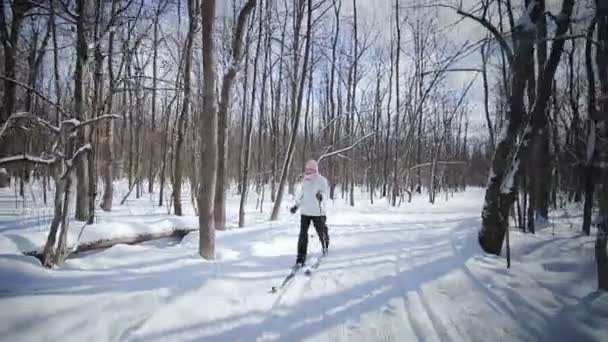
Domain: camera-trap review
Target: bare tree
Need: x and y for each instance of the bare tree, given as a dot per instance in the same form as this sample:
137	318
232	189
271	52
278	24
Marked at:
500	193
227	81
248	130
296	88
193	14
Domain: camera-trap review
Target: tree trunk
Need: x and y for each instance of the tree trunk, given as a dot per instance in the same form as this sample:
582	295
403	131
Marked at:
263	137
601	240
353	104
80	74
249	133
164	152
332	101
97	106
602	145
152	145
107	142
397	129
10	41
62	244
49	247
495	211
501	186
296	107
591	134
244	106
222	115
208	133
183	117
387	142
540	149
484	75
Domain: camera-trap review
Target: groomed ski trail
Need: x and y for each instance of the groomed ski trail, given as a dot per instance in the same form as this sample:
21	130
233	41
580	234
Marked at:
413	273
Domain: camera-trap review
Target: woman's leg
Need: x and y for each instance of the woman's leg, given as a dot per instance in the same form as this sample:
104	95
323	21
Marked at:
322	231
303	238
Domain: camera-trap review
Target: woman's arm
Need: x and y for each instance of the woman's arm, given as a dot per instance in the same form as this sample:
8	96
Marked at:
298	199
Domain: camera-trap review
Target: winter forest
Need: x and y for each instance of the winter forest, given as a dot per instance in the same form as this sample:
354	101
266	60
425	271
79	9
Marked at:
159	159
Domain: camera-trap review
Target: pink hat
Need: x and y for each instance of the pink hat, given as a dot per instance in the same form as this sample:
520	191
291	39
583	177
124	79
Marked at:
311	170
312	164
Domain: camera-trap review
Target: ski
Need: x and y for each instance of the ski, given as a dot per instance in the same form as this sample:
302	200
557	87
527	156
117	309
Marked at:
314	266
287	279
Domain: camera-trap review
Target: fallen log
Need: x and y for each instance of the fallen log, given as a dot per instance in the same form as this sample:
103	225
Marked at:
127	240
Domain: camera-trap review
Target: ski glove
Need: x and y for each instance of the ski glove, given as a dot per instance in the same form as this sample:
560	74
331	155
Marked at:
293	209
319	196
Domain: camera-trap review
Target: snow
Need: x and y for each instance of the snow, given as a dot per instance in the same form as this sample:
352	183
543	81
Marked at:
393	274
81	149
509	182
70	123
24	234
31	158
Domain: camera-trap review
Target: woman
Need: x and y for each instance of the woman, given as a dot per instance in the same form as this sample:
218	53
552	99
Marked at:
312	208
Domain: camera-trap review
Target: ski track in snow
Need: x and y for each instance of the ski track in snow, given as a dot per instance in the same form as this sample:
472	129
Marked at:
393	274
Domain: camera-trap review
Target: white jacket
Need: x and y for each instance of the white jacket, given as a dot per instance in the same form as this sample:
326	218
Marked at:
307	200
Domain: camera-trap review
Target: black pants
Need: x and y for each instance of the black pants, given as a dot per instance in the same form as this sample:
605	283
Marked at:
322	233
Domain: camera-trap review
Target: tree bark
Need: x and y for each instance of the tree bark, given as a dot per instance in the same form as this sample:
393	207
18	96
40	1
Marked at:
97	106
10	42
602	145
601	240
332	100
154	92
165	137
107	142
353	104
49	247
80	74
484	75
397	130
208	133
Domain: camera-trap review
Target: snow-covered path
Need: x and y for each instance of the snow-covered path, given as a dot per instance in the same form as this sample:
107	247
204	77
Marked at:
393	274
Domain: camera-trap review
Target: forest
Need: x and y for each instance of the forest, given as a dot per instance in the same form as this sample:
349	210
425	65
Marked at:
398	99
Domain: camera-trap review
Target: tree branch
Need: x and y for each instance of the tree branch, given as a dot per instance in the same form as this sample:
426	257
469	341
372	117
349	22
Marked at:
238	33
71	163
452	70
346	149
46	99
438	163
27	158
96	120
27	115
503	43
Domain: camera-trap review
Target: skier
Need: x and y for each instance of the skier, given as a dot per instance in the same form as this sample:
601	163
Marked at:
312	208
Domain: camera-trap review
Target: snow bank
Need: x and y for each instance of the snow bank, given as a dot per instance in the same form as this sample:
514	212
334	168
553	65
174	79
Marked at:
26	230
32	239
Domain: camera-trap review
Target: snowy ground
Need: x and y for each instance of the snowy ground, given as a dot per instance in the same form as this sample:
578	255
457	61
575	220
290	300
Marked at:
393	274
